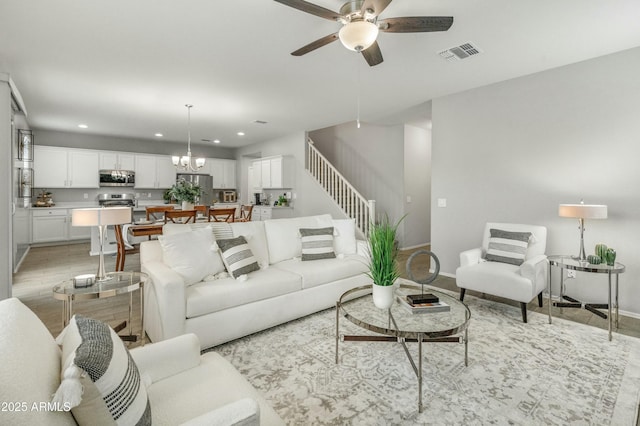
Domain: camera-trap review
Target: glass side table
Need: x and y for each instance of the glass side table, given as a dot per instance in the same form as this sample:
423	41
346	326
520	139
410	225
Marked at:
569	263
120	283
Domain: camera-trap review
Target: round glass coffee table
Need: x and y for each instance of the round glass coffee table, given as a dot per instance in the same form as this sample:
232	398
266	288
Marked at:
119	283
401	324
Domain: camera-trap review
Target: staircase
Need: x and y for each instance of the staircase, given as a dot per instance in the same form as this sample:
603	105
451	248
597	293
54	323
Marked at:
352	203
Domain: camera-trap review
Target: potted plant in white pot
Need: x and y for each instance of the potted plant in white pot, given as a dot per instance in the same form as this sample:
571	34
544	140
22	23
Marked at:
186	193
383	268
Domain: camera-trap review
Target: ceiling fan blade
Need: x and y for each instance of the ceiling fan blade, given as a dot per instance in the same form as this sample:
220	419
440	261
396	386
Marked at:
415	24
311	8
316	44
372	54
376	5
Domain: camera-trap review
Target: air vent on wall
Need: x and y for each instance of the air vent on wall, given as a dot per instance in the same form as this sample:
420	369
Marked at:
460	52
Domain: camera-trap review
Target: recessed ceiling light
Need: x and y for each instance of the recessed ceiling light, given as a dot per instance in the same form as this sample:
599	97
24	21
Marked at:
83	126
240	133
159	135
216	141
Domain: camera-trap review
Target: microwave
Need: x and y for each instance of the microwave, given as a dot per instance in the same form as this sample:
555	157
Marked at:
117	178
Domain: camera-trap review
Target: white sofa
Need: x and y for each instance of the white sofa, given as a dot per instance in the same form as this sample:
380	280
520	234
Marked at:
284	289
186	387
521	283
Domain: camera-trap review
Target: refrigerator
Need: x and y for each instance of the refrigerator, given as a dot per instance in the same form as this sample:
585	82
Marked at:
204	181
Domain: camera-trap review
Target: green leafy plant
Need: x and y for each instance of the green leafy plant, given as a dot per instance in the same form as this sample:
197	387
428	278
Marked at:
185	191
383	251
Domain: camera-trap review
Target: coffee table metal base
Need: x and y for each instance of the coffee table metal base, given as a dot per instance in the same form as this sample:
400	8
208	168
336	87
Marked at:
421	338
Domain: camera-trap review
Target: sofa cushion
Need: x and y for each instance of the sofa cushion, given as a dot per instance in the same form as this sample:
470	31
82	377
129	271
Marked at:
253	232
100	382
212	296
30	371
283	235
197	396
317	243
324	271
344	236
192	254
507	246
220	229
497	278
237	256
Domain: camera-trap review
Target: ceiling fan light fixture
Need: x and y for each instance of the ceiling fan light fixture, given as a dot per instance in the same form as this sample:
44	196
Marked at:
358	35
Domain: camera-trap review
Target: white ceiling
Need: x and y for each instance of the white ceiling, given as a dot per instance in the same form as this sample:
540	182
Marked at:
126	68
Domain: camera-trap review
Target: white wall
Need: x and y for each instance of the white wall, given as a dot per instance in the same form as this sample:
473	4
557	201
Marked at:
6	169
514	150
310	197
372	160
417	186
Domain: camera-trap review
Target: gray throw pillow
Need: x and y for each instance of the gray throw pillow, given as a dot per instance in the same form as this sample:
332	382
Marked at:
507	246
317	243
237	256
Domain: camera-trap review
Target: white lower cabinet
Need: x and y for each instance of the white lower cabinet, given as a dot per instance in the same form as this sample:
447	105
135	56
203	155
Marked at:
266	213
54	225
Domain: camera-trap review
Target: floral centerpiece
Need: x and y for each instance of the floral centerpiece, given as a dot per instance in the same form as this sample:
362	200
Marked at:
185	192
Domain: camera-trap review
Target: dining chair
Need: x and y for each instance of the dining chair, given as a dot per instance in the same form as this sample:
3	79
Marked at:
201	210
245	213
222	215
156	213
123	250
180	216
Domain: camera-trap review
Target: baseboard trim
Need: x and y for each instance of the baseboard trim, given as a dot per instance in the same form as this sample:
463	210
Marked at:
415	247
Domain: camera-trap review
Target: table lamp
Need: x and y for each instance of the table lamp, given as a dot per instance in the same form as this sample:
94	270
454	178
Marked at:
581	212
101	217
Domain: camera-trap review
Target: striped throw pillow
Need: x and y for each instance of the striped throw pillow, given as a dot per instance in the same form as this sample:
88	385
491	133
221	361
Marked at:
317	243
507	246
237	256
221	230
100	381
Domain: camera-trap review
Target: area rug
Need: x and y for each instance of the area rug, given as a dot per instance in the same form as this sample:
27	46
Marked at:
518	374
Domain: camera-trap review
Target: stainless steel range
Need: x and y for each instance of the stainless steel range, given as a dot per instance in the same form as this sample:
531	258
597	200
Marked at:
119	200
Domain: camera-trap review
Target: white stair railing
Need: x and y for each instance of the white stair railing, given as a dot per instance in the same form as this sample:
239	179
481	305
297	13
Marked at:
352	203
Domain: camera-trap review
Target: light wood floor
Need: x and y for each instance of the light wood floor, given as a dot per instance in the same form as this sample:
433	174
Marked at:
45	267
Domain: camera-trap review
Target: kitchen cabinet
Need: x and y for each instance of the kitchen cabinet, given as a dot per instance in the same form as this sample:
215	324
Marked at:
266	213
116	161
56	167
273	172
223	172
54	225
154	171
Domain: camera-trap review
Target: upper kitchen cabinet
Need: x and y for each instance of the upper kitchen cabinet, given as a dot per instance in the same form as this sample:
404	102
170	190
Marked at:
223	172
57	167
154	171
116	161
274	172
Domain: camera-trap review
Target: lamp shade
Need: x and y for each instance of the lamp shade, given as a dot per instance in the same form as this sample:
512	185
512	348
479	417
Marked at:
583	211
358	35
100	216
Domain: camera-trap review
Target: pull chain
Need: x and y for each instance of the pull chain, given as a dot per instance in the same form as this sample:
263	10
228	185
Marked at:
358	94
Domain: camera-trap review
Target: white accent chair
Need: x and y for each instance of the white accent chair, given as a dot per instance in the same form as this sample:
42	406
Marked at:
184	387
520	283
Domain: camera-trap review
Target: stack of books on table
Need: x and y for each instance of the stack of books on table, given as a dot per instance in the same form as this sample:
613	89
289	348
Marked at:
423	303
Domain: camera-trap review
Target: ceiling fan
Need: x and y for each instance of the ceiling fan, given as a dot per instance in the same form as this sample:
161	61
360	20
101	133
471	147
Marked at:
360	26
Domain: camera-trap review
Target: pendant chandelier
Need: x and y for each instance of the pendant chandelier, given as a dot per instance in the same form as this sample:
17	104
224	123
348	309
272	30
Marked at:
185	162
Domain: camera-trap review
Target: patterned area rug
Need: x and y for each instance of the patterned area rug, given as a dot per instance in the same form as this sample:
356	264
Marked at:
518	374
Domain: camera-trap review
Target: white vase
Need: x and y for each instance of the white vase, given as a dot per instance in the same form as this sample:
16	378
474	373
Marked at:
187	205
383	296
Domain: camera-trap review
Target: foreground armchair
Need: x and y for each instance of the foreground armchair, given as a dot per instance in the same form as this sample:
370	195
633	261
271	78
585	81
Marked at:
510	263
182	386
